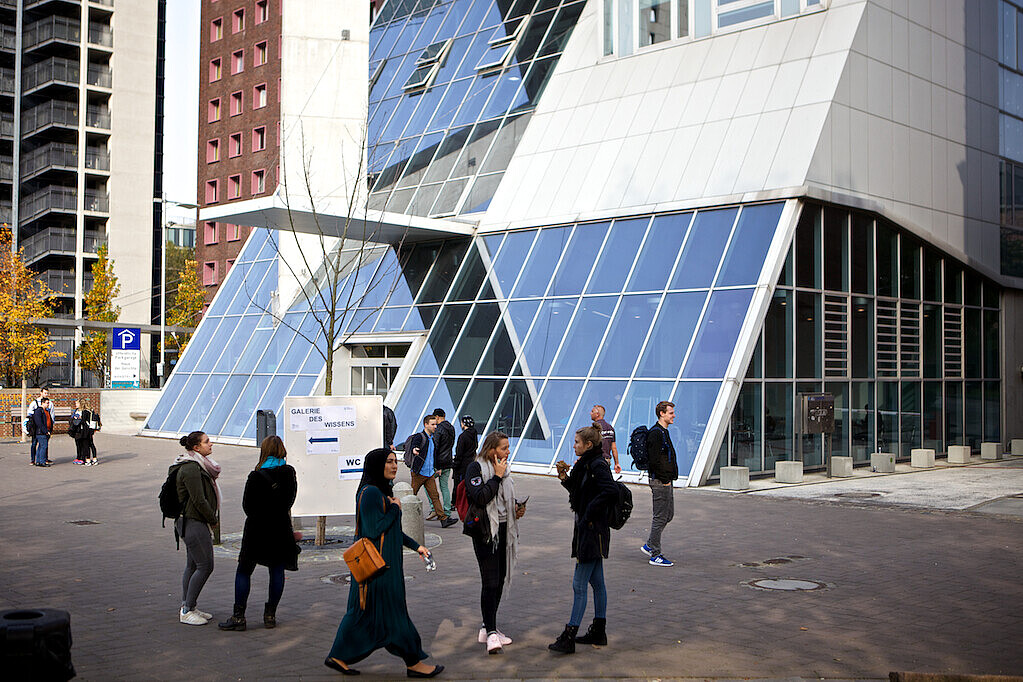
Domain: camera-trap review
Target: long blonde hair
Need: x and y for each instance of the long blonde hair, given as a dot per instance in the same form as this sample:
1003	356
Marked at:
488	450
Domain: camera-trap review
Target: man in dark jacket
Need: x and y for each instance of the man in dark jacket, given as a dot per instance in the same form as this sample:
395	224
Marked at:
424	472
465	448
663	469
444	439
390	427
44	427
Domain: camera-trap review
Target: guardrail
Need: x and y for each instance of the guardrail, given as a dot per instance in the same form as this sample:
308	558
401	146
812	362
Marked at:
52	70
64	199
97	117
53	155
50	113
101	35
100	75
51	28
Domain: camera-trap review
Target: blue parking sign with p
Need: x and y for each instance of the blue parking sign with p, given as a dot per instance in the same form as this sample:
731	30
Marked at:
124	338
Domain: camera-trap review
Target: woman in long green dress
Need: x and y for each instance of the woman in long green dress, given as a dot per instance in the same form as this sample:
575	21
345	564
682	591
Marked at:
385	623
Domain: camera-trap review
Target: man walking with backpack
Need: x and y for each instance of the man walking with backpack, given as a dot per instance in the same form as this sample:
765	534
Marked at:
421	462
663	468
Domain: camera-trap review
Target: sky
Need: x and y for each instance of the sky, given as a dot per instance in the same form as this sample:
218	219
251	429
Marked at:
181	107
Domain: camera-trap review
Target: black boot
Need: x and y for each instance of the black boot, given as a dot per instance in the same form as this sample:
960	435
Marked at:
597	634
565	643
236	621
269	616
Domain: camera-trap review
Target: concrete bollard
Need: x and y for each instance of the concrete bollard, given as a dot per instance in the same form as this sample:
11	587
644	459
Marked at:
412	518
401	489
922	458
990	450
735	478
882	462
841	467
958	454
788	472
1016	447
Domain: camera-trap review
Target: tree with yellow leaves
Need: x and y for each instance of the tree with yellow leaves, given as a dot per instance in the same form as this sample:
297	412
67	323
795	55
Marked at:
24	347
187	306
99	307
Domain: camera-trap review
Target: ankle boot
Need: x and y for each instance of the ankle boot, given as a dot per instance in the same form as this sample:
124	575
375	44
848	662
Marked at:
236	621
565	643
269	616
597	634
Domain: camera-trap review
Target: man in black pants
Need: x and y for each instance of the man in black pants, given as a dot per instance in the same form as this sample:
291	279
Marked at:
444	438
663	468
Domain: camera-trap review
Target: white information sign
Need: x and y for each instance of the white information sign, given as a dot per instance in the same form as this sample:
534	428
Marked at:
124	368
322	443
310	417
349	467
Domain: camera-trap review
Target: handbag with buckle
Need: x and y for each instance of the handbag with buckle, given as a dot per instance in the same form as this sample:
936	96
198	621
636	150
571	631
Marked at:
364	560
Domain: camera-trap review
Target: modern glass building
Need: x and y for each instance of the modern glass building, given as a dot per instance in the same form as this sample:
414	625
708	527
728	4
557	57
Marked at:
723	204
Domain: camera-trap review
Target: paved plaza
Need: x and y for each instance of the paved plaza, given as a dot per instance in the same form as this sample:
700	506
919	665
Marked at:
904	588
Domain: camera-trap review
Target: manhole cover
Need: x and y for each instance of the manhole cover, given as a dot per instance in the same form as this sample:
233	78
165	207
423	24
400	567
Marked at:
786	584
346	579
857	495
83	522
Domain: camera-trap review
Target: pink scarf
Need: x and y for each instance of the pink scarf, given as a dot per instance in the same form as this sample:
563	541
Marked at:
208	464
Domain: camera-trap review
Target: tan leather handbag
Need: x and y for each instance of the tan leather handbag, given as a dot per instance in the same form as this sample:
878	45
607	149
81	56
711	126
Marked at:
364	560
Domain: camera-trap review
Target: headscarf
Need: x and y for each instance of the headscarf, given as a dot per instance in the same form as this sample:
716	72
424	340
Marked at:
373	472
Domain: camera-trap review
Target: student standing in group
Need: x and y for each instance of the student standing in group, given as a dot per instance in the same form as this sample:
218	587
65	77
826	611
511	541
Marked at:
199	495
424	472
663	469
85	423
384	623
29	411
465	449
493	527
42	419
591	492
444	438
607	436
268	538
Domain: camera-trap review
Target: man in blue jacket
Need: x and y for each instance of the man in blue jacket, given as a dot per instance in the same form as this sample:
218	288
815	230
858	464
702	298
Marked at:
424	473
44	427
663	469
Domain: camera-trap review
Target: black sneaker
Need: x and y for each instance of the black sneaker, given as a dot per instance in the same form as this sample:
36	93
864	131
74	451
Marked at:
448	522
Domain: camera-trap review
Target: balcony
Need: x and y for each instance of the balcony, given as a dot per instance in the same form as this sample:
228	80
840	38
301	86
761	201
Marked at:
7	82
51	199
59	241
97	159
100	76
100	34
98	117
55	155
62	282
6	212
55	70
56	28
7	124
9	4
56	113
97	201
8	37
6	169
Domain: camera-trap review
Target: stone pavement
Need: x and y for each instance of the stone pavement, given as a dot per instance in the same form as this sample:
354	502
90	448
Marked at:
906	589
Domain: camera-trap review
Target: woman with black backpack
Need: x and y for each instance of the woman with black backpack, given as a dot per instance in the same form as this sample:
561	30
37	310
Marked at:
268	538
591	493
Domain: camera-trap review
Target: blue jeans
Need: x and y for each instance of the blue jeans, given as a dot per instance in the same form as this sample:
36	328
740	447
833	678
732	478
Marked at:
592	573
243	582
42	445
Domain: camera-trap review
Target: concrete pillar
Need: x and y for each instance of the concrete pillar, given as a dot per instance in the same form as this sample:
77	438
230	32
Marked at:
401	489
788	472
1016	447
958	454
922	458
990	450
412	518
882	462
735	478
841	467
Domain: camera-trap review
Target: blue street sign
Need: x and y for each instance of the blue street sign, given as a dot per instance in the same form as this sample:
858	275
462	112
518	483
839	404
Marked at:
126	338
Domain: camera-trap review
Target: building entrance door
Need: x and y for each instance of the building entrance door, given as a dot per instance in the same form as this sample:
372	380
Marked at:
374	368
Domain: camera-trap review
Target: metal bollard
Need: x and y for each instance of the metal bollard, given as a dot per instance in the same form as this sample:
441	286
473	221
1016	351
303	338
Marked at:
412	518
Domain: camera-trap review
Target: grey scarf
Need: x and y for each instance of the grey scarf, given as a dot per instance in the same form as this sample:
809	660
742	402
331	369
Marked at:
507	493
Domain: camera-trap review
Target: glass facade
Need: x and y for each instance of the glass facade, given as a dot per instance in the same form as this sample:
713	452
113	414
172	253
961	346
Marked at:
1010	103
901	335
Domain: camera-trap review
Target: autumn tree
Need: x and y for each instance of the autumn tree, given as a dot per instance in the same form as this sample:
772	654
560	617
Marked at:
177	256
99	307
187	306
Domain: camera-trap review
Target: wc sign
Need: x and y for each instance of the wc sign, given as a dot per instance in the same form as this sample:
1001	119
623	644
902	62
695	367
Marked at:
125	357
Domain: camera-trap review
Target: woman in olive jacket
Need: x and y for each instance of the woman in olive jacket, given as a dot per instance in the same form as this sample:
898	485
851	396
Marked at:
591	491
268	538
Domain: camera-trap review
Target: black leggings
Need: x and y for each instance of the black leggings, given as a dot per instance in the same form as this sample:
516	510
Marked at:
493	570
85	449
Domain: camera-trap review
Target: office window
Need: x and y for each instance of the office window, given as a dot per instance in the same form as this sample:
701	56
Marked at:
258	181
259	96
259	54
236	103
259	139
234	146
209	273
210	232
262	11
234	186
213	110
227	266
215	72
216	29
234	233
238	61
239	20
212	191
213	150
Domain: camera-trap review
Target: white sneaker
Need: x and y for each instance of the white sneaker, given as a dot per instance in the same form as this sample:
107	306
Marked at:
207	616
191	618
494	644
482	637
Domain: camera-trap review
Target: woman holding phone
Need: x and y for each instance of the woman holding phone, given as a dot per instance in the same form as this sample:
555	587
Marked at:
492	524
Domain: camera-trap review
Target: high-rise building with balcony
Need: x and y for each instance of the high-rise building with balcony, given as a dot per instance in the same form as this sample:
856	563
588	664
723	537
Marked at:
79	126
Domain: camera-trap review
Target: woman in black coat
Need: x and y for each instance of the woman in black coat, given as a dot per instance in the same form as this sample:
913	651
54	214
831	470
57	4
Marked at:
268	538
591	491
465	449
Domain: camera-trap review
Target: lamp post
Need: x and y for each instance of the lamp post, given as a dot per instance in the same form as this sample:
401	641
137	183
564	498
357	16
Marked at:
163	277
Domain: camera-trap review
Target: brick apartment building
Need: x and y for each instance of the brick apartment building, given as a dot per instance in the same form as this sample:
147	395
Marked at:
239	121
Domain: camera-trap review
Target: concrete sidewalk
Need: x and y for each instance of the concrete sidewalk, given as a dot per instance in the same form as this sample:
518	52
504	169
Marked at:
903	588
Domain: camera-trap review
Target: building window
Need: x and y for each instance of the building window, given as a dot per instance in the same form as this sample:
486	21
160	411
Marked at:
258	181
215	72
239	20
259	54
259	96
234	145
209	274
236	103
227	266
212	191
210	232
733	12
262	11
234	186
213	151
233	233
654	21
259	139
216	29
429	63
213	111
238	61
